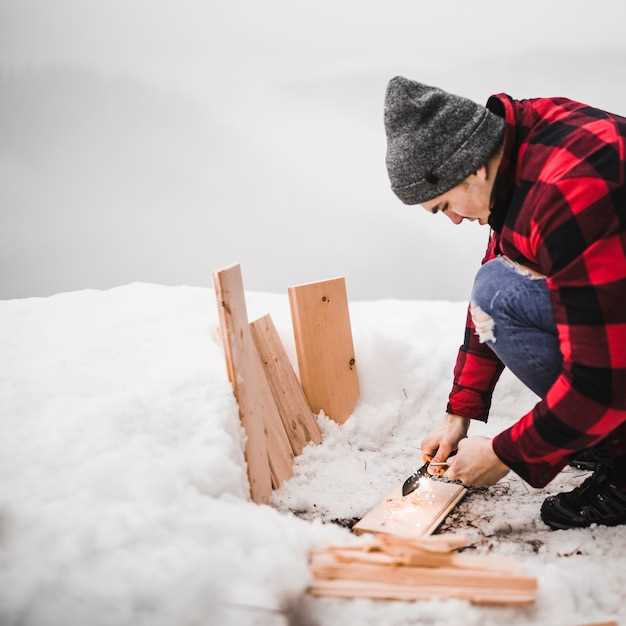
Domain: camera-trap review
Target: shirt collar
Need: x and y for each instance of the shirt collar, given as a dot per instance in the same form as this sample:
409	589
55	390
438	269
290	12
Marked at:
501	104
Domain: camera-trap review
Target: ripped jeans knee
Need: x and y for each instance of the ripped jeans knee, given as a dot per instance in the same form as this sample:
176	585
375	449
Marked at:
483	323
512	314
487	287
504	295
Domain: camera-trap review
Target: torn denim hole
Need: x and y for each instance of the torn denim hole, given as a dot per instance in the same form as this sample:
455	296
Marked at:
522	270
483	323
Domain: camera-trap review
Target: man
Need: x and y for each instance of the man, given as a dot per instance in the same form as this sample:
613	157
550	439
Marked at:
549	301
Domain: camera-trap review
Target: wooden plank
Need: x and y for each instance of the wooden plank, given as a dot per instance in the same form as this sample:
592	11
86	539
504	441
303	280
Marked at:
386	591
268	453
326	567
232	313
223	332
389	567
323	335
417	514
292	404
424	558
446	542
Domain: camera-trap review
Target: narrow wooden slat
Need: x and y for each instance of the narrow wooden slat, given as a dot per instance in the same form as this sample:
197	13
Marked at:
223	330
268	453
445	542
323	335
233	317
293	407
417	514
386	591
329	568
425	558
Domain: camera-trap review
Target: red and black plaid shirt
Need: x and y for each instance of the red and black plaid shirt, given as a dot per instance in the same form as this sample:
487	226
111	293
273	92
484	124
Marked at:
560	209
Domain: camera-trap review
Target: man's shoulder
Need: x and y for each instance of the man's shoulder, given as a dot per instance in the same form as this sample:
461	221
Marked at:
560	137
550	109
550	115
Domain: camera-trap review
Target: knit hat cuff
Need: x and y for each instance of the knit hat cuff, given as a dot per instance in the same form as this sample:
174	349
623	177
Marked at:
467	158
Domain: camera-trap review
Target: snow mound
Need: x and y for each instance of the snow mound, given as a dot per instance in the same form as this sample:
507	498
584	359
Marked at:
123	492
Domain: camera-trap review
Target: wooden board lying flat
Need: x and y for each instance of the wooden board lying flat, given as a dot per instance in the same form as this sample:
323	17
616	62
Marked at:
323	336
375	590
419	513
399	569
293	407
268	453
425	559
423	576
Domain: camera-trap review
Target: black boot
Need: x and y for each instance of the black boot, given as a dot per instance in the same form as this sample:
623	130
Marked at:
598	500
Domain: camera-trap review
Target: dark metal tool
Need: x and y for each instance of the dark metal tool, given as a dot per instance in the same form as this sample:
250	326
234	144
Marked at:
413	481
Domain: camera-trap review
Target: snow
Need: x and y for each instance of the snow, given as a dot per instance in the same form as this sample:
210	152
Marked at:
123	486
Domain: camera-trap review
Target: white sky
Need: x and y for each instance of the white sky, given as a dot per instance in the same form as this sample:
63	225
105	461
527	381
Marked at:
159	141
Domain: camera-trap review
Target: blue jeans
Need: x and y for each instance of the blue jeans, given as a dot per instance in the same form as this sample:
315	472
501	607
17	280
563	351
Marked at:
512	313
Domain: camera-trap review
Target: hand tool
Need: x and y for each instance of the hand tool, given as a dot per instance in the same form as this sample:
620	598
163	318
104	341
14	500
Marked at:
412	482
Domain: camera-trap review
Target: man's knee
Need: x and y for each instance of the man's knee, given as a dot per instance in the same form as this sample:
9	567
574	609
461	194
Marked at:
487	284
483	302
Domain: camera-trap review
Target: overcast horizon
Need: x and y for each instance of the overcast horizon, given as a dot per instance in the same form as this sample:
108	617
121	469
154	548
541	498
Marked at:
157	142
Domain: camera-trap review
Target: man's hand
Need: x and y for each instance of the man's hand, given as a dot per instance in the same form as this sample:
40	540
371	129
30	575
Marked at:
476	464
444	440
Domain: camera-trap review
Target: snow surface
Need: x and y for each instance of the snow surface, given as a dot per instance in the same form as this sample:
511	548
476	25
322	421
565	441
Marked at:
123	487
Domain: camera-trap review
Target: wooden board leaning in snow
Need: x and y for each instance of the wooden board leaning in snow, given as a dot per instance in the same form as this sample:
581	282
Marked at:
221	311
268	452
323	336
415	515
293	407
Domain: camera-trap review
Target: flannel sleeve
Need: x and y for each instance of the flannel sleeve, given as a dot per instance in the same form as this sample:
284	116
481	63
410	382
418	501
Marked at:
580	243
477	368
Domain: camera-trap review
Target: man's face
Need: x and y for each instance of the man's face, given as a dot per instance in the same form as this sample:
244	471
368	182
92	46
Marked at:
469	200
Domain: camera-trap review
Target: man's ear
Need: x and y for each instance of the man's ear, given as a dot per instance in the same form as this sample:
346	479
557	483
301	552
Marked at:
482	173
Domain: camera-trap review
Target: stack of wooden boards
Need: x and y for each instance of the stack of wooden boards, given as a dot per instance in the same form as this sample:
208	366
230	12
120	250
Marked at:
276	409
404	562
395	568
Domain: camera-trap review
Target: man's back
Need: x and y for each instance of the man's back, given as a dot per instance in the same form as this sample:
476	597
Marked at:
565	180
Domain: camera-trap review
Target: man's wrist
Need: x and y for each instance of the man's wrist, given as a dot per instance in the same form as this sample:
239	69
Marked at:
458	421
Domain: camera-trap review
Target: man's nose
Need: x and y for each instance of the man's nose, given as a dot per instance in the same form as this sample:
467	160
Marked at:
455	218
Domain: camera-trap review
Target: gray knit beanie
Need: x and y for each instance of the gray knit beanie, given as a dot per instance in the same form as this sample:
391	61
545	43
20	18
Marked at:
434	139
